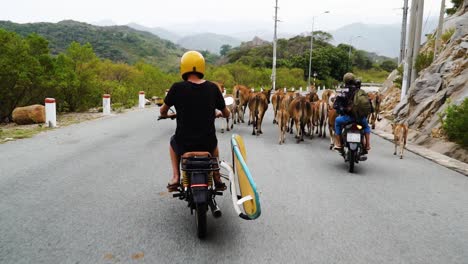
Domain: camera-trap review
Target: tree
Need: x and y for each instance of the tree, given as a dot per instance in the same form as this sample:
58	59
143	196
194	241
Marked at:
25	71
225	49
77	77
388	65
361	60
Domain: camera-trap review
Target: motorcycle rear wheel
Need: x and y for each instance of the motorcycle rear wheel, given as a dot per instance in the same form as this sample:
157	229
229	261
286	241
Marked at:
200	219
351	160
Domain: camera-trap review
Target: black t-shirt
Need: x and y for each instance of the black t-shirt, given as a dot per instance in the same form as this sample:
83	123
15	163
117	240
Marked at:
195	105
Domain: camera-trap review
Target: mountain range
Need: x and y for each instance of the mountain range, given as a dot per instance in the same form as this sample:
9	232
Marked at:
117	43
382	39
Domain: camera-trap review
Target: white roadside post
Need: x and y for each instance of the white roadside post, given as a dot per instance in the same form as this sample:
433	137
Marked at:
51	112
300	89
106	105
141	101
284	89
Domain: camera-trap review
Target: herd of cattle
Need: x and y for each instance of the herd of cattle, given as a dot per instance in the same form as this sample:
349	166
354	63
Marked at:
306	112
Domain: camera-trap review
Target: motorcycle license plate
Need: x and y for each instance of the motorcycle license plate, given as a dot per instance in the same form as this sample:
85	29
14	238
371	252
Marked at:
353	137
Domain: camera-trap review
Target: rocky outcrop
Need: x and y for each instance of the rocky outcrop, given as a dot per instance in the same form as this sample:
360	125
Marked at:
446	78
29	114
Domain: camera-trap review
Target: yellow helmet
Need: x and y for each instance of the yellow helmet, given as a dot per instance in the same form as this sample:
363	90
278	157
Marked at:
192	62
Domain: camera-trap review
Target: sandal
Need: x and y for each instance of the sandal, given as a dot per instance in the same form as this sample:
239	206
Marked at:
340	150
173	187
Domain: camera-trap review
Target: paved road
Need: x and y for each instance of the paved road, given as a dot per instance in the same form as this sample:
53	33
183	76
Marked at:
95	193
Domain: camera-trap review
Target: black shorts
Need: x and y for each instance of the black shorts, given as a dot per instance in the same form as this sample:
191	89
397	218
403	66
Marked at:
205	145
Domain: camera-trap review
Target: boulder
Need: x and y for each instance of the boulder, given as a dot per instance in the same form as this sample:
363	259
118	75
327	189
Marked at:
29	114
425	86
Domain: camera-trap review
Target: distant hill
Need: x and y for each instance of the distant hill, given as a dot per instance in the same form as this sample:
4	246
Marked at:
158	31
117	43
208	41
380	39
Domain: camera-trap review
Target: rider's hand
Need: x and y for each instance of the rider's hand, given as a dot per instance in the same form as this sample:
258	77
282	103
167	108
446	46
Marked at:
172	116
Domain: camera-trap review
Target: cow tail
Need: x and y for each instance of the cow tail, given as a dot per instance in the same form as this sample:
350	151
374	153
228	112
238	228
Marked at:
237	96
303	106
256	106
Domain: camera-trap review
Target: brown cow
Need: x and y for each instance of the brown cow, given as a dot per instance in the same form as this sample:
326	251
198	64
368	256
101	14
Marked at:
400	134
289	97
327	96
276	100
375	98
233	109
320	118
282	117
258	104
332	115
300	112
242	95
312	97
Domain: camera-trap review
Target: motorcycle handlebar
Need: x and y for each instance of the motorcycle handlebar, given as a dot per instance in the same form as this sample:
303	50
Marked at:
166	117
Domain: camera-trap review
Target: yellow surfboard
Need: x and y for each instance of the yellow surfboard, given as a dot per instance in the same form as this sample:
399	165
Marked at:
249	195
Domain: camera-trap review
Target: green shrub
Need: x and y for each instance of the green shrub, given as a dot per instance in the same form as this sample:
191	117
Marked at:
398	82
456	5
455	124
447	35
424	60
130	103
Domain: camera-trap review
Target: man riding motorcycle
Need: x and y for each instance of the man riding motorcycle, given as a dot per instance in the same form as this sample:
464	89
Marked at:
344	106
195	101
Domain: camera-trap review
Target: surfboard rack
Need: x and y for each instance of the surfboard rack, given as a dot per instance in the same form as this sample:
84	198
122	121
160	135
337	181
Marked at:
246	205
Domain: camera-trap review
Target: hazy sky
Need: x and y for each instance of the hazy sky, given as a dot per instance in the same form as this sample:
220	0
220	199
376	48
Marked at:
202	15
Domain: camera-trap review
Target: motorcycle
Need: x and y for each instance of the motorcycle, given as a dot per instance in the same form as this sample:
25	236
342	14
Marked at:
198	190
353	139
197	186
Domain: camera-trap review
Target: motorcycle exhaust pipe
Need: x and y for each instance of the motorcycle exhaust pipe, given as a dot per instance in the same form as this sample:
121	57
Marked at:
215	210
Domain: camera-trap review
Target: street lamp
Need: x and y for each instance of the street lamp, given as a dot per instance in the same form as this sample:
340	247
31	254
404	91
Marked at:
311	45
349	52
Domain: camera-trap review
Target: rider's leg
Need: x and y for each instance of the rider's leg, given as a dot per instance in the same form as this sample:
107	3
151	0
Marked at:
175	151
367	137
367	131
339	122
175	161
219	185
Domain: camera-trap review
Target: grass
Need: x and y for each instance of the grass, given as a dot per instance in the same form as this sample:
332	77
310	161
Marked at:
371	76
19	132
12	131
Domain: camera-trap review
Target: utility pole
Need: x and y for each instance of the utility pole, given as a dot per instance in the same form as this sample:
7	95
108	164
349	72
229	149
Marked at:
403	32
273	70
350	65
417	39
439	29
311	47
310	53
408	62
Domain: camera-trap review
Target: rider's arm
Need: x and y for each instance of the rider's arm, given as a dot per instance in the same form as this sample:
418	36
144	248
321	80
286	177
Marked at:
168	102
221	104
